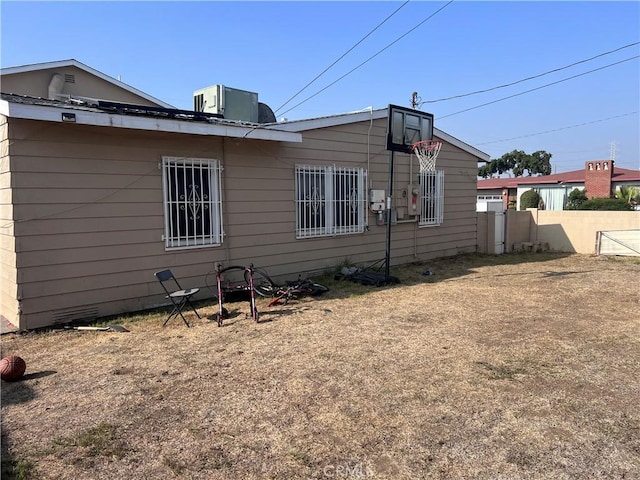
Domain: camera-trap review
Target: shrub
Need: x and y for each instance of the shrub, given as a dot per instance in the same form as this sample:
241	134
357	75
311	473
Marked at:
529	199
576	198
606	204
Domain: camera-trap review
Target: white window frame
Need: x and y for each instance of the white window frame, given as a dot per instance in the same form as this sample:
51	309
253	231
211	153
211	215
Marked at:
489	197
192	216
324	207
431	198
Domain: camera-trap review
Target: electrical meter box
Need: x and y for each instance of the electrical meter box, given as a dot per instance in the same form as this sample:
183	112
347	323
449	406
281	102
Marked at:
377	200
412	199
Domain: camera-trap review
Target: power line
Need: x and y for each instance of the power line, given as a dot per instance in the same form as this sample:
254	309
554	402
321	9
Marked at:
531	78
539	88
371	57
341	57
558	129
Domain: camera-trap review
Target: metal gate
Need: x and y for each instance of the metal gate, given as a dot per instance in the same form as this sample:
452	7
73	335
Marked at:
618	242
497	207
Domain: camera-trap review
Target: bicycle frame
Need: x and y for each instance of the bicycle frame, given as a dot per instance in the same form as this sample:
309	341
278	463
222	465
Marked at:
296	289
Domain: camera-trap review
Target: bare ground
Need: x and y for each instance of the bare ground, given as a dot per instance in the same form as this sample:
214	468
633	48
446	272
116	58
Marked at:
510	367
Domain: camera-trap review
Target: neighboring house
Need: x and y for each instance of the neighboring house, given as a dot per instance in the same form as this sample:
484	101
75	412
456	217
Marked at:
599	178
96	198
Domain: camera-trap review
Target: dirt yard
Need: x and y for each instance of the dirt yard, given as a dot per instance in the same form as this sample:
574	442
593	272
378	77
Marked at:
510	367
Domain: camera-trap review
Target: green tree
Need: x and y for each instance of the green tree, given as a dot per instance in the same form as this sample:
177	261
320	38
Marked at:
529	199
517	161
576	198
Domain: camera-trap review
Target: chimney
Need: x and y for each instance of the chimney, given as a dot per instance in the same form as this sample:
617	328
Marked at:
597	178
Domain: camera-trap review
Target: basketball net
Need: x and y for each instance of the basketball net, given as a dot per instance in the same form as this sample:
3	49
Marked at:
427	152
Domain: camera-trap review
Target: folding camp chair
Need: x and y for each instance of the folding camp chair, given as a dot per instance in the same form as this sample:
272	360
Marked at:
179	298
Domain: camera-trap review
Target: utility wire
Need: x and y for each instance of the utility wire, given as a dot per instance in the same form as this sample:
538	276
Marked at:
371	57
341	57
558	129
77	207
538	88
531	78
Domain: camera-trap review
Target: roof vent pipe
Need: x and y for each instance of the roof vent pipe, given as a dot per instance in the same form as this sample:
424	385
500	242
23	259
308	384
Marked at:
55	86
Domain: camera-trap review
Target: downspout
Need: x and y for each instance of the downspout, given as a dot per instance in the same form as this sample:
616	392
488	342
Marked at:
415	224
225	240
55	86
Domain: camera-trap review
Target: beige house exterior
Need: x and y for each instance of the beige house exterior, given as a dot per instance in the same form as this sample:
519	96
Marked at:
85	207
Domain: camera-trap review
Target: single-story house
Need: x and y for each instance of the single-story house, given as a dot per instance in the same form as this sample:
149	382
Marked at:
599	178
97	195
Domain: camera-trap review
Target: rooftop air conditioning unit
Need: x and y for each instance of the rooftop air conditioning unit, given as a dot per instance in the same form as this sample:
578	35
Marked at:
231	103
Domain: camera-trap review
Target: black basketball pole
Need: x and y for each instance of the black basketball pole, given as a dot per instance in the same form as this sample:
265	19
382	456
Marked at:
387	258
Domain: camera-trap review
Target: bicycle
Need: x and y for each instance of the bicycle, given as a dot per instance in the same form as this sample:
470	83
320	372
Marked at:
264	286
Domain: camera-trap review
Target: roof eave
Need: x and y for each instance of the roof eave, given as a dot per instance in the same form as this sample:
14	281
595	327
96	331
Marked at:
101	119
369	115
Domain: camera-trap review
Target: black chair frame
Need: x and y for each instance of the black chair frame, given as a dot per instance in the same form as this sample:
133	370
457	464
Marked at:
179	298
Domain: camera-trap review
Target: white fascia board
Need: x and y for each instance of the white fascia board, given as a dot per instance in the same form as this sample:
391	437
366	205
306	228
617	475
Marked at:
31	67
461	145
331	121
365	116
88	117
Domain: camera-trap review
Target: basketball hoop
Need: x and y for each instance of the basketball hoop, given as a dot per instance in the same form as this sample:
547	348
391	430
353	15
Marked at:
427	152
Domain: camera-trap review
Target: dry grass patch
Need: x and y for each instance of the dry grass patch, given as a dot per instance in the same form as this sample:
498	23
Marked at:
518	366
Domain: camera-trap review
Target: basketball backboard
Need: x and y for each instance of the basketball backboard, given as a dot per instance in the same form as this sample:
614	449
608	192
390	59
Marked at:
407	126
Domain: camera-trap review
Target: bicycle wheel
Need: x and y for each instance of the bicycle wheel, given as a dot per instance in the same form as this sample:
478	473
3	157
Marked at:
317	289
262	283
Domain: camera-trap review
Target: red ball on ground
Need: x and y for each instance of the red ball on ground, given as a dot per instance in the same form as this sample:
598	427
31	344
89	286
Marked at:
12	368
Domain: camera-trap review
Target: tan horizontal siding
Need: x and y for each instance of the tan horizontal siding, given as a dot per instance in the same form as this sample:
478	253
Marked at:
139	285
66	255
102	183
109	162
32	212
238	231
89	201
85	195
86	239
50	226
9	307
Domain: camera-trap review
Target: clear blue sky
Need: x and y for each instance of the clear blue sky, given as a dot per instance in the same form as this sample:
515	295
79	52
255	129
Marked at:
170	49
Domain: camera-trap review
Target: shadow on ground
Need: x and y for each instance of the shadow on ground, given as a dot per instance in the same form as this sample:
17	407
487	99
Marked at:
458	266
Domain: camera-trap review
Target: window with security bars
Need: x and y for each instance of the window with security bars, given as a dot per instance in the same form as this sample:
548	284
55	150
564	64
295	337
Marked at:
192	202
431	197
330	201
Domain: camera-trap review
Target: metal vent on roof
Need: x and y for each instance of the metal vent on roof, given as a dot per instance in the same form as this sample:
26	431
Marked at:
69	78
